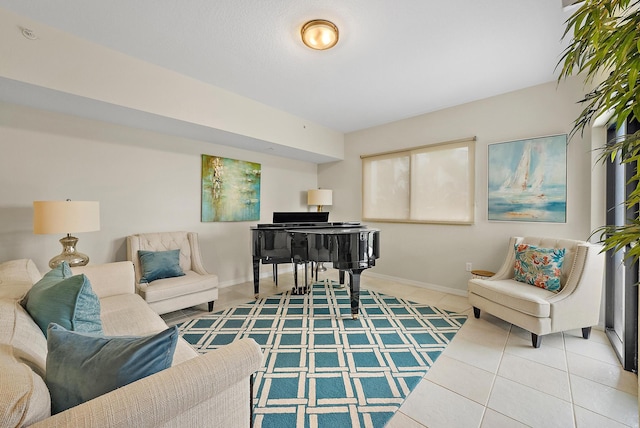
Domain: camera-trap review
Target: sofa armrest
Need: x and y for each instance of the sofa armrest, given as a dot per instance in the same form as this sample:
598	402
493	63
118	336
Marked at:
506	270
109	279
202	391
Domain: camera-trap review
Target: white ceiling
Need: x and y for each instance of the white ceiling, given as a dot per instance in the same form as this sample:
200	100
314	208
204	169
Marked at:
395	59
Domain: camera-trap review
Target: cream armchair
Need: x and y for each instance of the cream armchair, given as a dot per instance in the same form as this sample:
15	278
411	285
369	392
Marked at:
170	294
576	305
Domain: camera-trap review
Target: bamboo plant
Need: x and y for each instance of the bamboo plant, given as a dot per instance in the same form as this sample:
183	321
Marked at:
605	49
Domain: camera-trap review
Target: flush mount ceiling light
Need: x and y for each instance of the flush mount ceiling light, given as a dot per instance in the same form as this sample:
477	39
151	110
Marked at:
319	34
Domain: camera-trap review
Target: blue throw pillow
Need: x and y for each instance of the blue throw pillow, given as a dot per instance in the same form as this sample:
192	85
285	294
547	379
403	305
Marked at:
82	366
65	299
159	264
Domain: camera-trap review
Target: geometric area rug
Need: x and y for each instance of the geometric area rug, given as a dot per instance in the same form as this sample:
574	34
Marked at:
321	368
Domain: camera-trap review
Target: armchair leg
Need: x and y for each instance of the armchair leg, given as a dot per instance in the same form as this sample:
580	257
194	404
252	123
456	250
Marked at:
586	332
476	312
535	340
211	306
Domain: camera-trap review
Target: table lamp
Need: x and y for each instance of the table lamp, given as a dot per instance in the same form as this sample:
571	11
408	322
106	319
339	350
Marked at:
66	217
319	197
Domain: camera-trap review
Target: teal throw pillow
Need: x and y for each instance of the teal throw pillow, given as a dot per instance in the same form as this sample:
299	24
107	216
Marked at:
65	299
538	266
82	366
159	264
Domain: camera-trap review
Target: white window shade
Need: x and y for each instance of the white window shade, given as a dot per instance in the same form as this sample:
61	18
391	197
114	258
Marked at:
429	184
386	183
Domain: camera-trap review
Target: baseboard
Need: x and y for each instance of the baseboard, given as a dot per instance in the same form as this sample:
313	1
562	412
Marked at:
264	273
287	268
426	285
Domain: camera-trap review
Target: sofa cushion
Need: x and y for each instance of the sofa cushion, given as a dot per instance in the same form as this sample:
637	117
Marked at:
82	366
17	277
24	399
159	264
539	266
167	288
65	299
128	314
23	334
515	295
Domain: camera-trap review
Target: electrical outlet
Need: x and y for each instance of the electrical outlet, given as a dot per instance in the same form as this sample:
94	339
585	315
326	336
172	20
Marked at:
468	267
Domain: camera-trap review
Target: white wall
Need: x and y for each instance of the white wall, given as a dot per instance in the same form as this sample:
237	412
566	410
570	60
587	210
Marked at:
436	254
145	182
149	182
63	62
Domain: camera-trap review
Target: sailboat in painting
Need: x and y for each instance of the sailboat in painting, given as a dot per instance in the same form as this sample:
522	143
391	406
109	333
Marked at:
522	183
527	180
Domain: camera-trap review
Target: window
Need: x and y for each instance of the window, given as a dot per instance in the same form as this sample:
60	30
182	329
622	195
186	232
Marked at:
429	184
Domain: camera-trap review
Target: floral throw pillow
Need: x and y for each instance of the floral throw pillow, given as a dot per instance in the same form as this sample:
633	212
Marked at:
539	266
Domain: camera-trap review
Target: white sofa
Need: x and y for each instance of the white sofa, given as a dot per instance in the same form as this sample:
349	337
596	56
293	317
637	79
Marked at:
208	390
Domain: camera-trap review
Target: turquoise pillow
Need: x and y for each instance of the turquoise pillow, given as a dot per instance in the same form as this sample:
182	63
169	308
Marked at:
159	264
538	266
65	299
82	366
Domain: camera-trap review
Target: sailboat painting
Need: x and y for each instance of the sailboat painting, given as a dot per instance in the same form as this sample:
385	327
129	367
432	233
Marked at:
528	180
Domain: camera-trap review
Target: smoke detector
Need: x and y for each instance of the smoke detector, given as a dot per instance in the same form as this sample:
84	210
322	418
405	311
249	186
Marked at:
28	34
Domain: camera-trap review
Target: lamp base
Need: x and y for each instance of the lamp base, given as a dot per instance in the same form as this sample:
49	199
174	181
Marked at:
69	254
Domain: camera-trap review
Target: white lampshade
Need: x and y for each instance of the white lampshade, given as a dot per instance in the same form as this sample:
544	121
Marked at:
319	197
65	216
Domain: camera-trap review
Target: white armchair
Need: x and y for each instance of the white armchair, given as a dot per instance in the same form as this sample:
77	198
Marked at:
540	311
170	294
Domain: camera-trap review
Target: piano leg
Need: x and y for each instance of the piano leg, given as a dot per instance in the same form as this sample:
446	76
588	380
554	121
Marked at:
256	277
341	277
298	290
354	286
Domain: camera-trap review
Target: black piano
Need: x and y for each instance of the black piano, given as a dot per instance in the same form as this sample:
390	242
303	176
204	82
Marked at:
350	246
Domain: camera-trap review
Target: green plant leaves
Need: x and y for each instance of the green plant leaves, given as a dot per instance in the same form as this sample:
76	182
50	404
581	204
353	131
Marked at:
606	48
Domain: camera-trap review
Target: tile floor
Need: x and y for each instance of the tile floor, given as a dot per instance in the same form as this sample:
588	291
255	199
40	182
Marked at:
490	376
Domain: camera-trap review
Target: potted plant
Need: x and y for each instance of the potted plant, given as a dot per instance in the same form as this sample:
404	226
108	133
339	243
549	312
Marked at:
606	48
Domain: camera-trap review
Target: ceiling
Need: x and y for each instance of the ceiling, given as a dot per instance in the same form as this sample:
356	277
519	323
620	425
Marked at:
395	59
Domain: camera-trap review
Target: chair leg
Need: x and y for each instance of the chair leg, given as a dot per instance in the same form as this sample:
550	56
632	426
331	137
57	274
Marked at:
586	332
211	306
476	312
535	340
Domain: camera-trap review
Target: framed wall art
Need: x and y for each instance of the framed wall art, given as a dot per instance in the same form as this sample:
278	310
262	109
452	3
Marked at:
230	189
527	180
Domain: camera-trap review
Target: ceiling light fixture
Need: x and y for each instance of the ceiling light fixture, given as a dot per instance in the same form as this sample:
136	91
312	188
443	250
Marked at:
319	34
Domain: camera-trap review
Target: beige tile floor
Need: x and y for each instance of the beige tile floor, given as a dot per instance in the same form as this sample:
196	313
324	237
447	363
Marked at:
490	376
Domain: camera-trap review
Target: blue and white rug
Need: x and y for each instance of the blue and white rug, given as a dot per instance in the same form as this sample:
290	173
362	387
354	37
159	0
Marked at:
324	369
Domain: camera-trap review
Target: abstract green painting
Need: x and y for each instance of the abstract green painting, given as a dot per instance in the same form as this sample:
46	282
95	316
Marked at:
230	189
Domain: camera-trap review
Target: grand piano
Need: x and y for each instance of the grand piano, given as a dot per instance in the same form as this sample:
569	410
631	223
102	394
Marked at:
304	237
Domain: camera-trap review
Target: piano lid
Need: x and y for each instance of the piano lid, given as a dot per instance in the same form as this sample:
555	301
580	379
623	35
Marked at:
308	225
346	230
301	217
